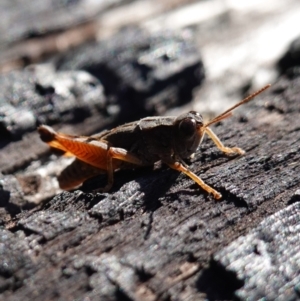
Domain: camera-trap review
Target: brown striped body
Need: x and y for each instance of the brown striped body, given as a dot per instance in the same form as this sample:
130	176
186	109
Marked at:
76	173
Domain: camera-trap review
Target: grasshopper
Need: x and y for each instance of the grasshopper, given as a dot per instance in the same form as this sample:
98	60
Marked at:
136	144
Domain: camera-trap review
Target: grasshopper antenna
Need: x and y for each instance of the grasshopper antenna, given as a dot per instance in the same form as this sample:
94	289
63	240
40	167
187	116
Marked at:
228	113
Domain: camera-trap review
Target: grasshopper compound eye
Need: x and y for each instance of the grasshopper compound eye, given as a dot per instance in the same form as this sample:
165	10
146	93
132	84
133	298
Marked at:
188	127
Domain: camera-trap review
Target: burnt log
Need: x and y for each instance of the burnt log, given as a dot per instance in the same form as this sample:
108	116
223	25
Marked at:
144	74
41	95
158	236
32	34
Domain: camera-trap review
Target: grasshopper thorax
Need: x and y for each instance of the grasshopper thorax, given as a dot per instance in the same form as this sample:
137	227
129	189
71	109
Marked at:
187	134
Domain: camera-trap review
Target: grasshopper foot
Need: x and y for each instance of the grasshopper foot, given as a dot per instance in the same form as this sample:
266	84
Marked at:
238	150
103	189
233	150
217	195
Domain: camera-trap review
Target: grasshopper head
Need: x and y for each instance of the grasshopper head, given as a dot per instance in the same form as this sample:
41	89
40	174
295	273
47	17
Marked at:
188	133
189	128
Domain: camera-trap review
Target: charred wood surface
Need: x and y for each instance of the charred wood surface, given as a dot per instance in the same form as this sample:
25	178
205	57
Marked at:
145	74
158	236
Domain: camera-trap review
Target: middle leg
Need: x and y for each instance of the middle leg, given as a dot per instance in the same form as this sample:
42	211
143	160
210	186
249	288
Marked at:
115	153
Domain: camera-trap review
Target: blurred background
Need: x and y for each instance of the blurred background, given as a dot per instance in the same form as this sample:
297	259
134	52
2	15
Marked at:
240	42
